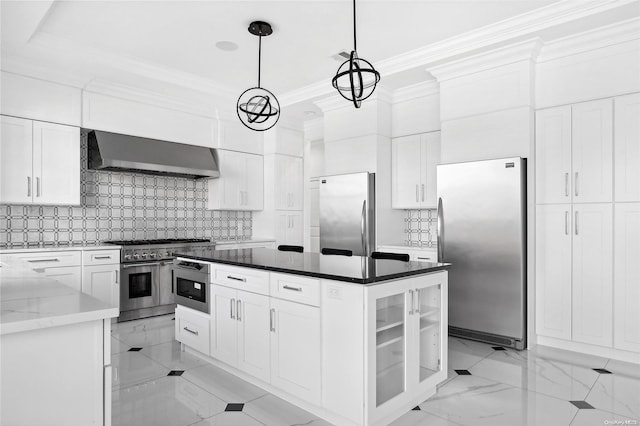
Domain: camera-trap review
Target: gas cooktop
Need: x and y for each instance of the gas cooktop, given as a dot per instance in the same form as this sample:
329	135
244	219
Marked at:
157	250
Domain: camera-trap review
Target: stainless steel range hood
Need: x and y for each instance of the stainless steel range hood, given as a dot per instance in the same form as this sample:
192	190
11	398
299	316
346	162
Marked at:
116	152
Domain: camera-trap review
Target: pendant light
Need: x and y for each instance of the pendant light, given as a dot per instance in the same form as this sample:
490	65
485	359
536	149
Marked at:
356	78
258	108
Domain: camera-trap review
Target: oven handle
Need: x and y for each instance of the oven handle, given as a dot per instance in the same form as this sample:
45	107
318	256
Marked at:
133	265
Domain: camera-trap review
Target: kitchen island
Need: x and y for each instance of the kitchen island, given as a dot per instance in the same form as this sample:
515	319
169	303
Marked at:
353	340
55	352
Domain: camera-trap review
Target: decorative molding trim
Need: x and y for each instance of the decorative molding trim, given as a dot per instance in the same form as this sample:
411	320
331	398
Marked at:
472	42
591	40
19	66
335	101
418	90
521	51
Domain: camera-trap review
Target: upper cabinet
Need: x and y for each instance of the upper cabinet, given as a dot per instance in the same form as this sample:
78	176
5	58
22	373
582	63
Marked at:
240	185
413	175
288	182
235	136
574	153
39	162
627	148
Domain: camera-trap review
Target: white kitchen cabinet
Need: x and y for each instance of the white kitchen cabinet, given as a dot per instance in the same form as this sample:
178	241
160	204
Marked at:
40	163
406	330
240	330
288	182
627	148
289	227
413	175
296	349
553	270
417	254
233	135
240	185
68	275
626	330
102	282
192	328
63	266
574	153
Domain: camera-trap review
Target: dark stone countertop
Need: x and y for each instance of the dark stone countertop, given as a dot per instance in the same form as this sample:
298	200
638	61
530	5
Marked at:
355	269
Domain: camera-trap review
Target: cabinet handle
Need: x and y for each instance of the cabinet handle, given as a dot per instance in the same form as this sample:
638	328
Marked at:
423	258
286	287
422	191
238	309
417	310
233	302
102	257
417	193
117	281
246	198
43	260
272	320
566	223
28	186
411	304
576	219
566	184
190	331
37	186
576	183
231	277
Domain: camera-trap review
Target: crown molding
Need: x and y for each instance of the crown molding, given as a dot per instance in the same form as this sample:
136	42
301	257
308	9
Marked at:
522	51
474	41
21	66
415	91
590	40
335	101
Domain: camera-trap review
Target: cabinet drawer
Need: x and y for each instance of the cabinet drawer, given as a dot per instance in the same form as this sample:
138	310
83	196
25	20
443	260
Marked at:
40	260
241	278
424	256
100	257
192	329
235	246
295	288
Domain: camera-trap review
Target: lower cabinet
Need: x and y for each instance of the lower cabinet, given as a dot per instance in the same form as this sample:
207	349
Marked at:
192	328
102	282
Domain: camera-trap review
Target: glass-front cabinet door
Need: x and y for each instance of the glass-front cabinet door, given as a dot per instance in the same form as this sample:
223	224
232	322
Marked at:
390	343
429	322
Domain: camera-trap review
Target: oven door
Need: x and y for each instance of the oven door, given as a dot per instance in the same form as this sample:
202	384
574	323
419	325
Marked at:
139	286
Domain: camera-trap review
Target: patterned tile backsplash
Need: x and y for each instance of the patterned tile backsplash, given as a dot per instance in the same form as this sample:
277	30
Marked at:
420	227
123	206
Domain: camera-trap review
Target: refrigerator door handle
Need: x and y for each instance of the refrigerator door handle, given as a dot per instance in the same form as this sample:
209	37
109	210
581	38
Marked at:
363	228
417	190
440	230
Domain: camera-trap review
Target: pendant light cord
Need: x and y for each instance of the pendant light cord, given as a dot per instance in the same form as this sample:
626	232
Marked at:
259	57
354	26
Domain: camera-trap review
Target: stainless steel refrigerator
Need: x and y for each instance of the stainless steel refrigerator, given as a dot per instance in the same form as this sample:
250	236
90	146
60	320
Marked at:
482	233
347	212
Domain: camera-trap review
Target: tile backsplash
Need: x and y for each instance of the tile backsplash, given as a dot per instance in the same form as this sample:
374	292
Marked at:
123	206
420	228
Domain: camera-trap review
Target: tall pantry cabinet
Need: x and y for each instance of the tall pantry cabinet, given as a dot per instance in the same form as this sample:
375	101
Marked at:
577	151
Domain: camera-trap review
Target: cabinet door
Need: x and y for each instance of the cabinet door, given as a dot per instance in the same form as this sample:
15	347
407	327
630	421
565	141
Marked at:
102	282
627	148
553	270
592	274
282	194
253	182
253	334
627	277
553	155
67	275
405	172
295	349
592	151
295	179
430	153
224	192
56	163
295	230
16	153
428	320
224	339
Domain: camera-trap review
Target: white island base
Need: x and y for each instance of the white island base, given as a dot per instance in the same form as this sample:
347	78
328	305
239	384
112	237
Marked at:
352	354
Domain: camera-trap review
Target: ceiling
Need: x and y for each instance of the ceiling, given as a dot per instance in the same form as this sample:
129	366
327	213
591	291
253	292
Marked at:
170	46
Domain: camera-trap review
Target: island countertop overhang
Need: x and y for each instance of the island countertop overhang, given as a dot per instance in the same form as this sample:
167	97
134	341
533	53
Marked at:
352	269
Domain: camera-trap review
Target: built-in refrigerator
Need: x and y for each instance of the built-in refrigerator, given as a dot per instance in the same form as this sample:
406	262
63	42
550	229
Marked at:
347	212
482	233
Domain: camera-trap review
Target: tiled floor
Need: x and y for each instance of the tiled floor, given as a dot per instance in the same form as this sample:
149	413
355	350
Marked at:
156	384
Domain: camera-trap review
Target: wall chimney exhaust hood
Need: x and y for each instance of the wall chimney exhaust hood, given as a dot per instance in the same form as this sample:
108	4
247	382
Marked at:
116	152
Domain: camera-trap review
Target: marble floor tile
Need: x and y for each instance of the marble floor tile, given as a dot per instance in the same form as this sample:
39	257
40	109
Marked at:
117	346
568	357
131	368
225	386
170	401
616	393
464	354
229	419
145	332
527	371
169	355
624	368
601	418
422	418
273	411
477	401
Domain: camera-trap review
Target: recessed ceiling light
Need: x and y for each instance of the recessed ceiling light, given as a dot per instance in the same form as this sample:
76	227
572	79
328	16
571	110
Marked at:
227	46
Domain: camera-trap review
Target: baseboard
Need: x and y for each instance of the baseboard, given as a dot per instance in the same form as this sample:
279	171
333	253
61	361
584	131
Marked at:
585	348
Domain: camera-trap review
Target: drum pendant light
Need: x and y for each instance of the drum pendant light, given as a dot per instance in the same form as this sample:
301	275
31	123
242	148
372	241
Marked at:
356	78
258	108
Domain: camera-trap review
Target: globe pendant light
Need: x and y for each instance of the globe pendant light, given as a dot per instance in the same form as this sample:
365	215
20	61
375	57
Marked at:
258	108
356	78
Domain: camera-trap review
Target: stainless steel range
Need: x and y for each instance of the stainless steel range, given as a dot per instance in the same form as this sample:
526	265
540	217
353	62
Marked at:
146	268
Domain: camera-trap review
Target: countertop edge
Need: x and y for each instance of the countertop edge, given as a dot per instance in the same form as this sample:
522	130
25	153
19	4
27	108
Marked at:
45	249
56	321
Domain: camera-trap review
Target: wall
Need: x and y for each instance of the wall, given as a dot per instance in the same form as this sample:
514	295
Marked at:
420	227
121	206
